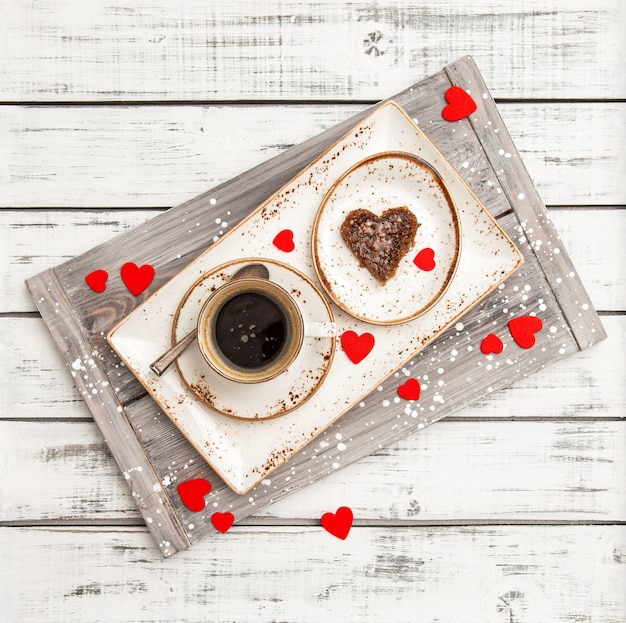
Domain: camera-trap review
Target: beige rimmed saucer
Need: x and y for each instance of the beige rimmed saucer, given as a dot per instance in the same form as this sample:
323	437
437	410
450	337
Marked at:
380	182
272	398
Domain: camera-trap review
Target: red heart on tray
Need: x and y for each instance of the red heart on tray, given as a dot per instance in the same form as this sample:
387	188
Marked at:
357	347
339	523
491	344
222	521
136	278
97	280
192	493
284	241
523	330
425	259
410	390
460	104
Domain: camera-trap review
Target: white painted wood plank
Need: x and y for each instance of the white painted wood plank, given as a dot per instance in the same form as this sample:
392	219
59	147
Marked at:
36	383
448	574
32	241
159	156
451	471
153	50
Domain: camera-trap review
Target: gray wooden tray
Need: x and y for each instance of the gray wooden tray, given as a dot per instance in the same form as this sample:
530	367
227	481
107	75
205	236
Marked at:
154	457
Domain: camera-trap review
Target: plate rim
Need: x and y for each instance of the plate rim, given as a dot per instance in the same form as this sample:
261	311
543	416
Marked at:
405	155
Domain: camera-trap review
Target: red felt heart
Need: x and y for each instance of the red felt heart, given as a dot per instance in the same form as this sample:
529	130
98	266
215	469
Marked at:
410	390
284	241
136	278
460	104
491	344
222	521
523	330
339	523
192	493
425	259
357	347
97	280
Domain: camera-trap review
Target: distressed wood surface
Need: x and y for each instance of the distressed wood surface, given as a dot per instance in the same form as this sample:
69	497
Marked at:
474	574
106	386
593	236
282	50
587	385
160	156
229	86
453	471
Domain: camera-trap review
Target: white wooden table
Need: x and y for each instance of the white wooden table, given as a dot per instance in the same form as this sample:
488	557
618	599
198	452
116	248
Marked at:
512	510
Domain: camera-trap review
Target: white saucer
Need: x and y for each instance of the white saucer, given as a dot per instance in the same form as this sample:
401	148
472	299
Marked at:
256	401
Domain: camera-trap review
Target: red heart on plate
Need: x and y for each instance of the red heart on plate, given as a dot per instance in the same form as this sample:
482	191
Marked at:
136	278
97	280
460	104
222	521
192	493
523	330
491	344
284	241
425	259
357	347
339	523
410	390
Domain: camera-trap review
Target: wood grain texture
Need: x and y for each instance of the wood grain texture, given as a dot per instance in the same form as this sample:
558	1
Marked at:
160	156
589	384
283	50
558	69
366	426
494	574
592	236
469	471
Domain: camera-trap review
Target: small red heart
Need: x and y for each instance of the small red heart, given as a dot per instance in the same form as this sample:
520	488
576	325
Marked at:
284	241
222	521
491	344
339	523
523	330
97	280
460	104
136	278
410	390
425	259
357	347
192	493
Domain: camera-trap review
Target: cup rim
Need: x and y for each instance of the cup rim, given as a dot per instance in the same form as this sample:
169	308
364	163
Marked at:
232	373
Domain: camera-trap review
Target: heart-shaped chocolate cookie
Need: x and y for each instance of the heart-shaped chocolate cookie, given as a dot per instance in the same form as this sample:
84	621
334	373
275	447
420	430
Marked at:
380	242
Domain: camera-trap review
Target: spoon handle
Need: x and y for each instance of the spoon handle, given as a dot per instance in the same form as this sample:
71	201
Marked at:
164	362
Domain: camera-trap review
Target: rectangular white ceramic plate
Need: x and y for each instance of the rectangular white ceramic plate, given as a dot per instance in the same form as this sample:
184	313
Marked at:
245	452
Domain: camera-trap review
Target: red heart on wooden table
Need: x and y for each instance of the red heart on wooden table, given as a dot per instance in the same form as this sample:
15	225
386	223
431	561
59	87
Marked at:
357	347
284	241
97	280
460	104
425	259
491	344
192	493
523	330
339	523
410	390
222	521
136	278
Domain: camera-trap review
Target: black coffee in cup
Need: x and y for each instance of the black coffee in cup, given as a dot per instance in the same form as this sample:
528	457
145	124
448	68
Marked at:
250	330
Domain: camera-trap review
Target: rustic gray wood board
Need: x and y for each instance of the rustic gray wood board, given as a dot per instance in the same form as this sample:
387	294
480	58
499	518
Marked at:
154	457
